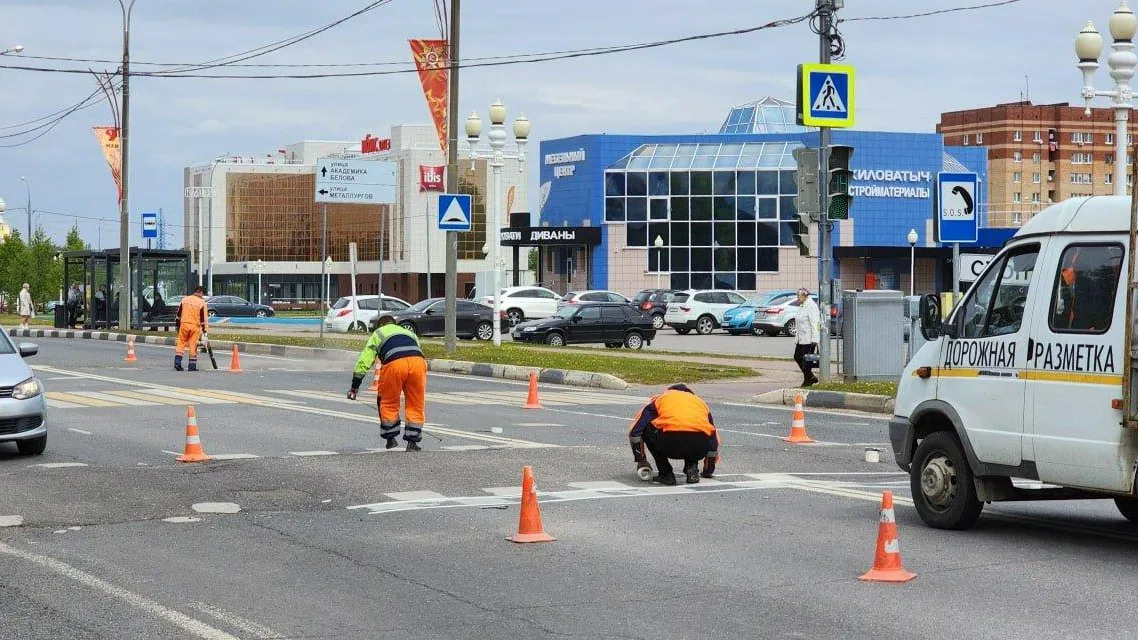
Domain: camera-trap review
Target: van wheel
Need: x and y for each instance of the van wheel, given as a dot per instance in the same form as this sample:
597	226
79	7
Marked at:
941	482
32	446
1128	507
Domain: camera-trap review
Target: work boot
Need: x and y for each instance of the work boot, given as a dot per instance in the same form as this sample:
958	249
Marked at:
669	480
178	363
414	446
391	444
691	470
193	366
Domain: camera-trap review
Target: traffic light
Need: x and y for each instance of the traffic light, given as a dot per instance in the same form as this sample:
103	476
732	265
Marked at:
838	182
807	202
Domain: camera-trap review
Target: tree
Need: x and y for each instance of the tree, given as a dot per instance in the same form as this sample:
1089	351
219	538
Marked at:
74	240
14	266
45	271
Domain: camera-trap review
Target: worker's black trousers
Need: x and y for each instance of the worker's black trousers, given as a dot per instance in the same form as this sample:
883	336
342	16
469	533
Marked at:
689	446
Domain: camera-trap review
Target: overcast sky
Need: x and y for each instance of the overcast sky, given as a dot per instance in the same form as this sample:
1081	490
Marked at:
909	71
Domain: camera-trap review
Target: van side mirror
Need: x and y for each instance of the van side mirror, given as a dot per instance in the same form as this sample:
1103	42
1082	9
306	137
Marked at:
929	310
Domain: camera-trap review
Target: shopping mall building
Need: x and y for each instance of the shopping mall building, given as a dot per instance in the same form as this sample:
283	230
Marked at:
722	206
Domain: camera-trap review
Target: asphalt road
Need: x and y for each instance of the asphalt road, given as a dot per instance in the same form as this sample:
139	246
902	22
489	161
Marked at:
335	539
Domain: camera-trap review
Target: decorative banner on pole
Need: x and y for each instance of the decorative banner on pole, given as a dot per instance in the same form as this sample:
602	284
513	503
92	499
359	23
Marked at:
431	62
112	149
510	199
431	178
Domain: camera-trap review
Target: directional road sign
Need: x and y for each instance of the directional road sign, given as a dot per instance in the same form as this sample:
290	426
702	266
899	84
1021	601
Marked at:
454	212
826	95
341	181
957	204
149	225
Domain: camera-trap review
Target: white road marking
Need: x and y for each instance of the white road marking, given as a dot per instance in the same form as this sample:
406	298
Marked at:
415	495
86	433
11	521
604	484
312	453
233	456
60	404
185	395
191	625
134	402
808	410
538	424
181	519
464	447
216	507
259	631
58	465
315	395
504	492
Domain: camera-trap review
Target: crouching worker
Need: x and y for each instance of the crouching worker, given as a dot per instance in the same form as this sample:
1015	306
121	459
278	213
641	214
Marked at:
675	424
403	372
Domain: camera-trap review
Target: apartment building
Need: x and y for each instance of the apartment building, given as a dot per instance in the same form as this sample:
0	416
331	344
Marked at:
1038	154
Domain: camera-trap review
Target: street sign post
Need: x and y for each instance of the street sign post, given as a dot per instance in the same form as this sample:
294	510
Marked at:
957	217
826	95
341	181
149	225
454	212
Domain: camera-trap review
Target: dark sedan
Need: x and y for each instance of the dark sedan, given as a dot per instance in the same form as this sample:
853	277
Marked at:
428	318
234	307
613	323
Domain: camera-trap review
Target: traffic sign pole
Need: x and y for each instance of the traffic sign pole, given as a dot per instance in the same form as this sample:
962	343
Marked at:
825	225
450	323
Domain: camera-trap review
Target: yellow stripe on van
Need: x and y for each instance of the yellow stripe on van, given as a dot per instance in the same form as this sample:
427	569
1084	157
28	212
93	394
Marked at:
1067	376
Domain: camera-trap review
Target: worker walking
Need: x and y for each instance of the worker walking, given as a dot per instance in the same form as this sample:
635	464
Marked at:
675	424
403	371
191	321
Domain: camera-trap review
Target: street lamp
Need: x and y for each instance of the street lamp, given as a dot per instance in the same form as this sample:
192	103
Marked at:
16	49
912	258
260	266
327	280
29	186
659	244
1088	46
124	152
497	139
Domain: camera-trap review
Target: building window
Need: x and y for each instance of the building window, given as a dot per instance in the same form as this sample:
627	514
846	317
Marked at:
966	140
1035	177
1082	178
1110	158
1035	157
1017	156
1036	137
1109	178
1017	135
1130	140
1035	198
1016	197
1110	138
1017	177
979	138
1082	158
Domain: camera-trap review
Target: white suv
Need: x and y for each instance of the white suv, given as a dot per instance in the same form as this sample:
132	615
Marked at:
524	303
340	317
699	310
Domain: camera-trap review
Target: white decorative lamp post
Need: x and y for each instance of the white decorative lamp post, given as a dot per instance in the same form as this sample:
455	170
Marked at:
1088	47
912	259
659	244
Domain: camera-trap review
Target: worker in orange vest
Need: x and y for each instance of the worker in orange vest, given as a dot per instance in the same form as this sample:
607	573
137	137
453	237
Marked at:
675	424
190	322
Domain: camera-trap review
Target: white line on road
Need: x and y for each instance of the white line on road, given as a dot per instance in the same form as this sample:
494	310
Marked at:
312	453
58	465
809	410
191	625
86	433
259	631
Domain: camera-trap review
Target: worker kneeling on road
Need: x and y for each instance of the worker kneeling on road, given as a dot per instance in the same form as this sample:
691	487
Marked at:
676	424
403	370
190	322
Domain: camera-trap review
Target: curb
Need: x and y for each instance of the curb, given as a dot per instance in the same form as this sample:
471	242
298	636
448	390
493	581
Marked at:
828	400
504	371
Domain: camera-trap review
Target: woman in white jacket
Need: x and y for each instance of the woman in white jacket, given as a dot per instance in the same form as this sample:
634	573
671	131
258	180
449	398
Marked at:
807	332
24	306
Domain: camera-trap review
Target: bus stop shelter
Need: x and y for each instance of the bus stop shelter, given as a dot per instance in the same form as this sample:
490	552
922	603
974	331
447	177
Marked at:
159	279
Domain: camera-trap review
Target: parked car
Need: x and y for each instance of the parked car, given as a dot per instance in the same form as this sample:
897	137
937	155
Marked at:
653	302
577	297
611	323
23	409
366	309
235	307
428	318
524	303
779	315
739	320
701	310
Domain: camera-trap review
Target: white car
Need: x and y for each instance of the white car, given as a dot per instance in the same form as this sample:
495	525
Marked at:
366	308
701	310
577	297
524	303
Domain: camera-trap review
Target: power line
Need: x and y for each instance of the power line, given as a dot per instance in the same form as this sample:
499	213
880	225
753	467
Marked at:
932	13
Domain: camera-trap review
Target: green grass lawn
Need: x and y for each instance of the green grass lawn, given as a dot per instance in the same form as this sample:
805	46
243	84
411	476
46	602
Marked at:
873	388
11	320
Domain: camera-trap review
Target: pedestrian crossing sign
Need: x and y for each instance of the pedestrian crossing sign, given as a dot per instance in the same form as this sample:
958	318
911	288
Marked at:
826	95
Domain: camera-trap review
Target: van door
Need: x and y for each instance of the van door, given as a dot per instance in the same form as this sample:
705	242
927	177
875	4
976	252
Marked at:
980	373
1074	365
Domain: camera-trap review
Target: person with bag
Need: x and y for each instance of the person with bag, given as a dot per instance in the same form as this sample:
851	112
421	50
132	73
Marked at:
25	307
807	332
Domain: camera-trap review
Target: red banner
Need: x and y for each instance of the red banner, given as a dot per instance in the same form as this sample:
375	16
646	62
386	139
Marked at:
112	150
430	178
431	62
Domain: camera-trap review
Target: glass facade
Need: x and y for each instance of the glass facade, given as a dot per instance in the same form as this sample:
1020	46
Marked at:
768	115
722	210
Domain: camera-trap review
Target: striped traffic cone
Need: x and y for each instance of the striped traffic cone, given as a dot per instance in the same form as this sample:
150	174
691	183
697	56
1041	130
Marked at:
887	563
798	424
193	451
130	350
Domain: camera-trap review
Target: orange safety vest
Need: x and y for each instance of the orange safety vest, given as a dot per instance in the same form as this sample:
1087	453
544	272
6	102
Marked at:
192	312
682	411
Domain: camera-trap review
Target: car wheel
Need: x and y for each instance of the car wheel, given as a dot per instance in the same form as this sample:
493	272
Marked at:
484	331
705	325
555	340
683	332
634	340
614	345
515	316
410	326
261	313
359	326
32	446
212	313
657	321
790	327
941	482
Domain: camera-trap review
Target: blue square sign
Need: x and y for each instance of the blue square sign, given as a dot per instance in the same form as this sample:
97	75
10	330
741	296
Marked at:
454	212
958	203
150	225
826	95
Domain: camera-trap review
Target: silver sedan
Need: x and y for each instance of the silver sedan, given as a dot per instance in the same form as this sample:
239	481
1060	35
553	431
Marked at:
23	409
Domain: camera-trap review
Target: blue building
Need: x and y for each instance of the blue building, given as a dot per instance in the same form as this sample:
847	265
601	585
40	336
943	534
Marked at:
718	210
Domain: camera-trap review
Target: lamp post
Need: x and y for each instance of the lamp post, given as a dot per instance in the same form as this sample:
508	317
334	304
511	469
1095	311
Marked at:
29	186
912	259
124	138
260	267
659	244
497	139
1088	46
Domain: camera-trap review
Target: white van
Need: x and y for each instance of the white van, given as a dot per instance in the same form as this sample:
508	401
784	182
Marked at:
1029	377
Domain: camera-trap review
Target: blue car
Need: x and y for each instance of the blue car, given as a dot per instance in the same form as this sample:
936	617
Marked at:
740	320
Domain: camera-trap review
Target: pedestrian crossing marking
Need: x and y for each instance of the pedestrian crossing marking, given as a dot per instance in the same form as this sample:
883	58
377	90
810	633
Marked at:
186	396
78	401
119	399
551	398
148	397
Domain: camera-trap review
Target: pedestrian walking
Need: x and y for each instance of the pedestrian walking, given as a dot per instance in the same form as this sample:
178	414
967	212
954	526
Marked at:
402	372
191	321
807	329
25	307
675	424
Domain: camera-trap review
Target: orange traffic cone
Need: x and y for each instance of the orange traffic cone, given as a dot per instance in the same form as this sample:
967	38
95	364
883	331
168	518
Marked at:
798	424
193	451
235	361
887	563
375	379
130	349
533	401
530	528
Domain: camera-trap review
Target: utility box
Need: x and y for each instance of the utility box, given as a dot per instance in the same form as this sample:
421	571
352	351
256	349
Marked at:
873	348
913	317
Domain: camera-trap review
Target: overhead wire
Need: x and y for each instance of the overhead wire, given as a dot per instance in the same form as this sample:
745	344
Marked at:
932	13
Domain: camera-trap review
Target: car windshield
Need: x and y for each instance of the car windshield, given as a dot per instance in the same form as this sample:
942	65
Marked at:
6	346
568	296
642	296
567	312
341	303
760	300
422	304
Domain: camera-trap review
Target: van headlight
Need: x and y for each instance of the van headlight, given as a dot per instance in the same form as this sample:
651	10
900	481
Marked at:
29	388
